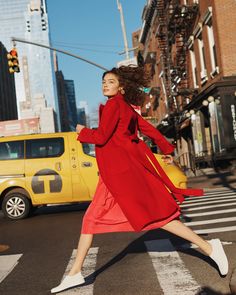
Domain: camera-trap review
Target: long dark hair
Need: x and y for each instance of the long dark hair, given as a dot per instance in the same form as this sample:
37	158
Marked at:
132	79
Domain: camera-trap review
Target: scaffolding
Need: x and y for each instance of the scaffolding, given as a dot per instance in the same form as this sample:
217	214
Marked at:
175	23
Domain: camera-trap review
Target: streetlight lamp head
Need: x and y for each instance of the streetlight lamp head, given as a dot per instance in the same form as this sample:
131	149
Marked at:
205	103
211	98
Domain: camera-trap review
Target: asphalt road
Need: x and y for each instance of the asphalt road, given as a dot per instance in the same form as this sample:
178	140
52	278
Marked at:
147	263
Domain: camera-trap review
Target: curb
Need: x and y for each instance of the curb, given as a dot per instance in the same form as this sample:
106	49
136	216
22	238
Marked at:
232	283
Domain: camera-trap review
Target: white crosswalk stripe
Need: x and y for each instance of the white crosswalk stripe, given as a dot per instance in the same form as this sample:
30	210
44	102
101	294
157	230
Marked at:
173	276
214	212
7	264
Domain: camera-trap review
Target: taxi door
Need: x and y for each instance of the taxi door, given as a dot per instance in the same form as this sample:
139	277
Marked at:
84	171
47	170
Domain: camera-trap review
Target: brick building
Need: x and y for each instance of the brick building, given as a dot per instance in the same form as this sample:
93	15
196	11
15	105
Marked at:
190	49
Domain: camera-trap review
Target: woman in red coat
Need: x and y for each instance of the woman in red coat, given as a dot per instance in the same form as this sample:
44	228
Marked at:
133	192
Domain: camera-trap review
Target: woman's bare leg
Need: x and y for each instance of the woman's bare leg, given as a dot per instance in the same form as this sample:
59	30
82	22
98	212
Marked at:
75	278
212	248
84	244
178	228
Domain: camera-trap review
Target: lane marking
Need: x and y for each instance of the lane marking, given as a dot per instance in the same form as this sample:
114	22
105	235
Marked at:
7	264
207	201
88	268
209	207
211	213
211	221
173	276
215	230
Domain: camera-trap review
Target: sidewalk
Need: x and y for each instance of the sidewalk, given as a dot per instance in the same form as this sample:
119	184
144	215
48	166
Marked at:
209	178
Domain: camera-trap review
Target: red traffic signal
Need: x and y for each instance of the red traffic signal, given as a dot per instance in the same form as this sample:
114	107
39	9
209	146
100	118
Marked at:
13	62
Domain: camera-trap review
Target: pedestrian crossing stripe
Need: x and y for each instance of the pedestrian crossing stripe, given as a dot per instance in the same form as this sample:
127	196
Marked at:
207	201
7	264
210	206
173	276
208	197
218	190
203	205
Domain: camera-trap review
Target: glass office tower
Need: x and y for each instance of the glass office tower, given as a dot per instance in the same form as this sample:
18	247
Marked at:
28	19
72	108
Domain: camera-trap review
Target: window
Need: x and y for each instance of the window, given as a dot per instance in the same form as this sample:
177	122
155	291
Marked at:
194	68
89	149
203	72
44	148
193	61
211	40
12	150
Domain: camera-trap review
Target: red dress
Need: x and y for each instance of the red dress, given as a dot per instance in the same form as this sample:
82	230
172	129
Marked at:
133	193
105	215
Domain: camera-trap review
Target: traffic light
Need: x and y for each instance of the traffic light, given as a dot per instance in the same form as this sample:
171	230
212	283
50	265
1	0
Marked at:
13	62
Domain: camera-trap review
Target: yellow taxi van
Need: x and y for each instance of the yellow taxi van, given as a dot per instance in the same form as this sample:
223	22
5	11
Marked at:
54	168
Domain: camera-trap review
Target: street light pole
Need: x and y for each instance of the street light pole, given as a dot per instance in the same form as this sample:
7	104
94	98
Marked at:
14	40
123	29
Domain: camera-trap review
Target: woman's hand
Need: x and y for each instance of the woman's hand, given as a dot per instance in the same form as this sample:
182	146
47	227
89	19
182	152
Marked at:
79	128
168	159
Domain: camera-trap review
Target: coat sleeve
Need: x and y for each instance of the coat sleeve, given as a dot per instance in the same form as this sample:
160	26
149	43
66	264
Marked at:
149	130
107	125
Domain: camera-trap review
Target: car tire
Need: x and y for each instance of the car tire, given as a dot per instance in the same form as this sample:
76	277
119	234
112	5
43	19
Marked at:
16	205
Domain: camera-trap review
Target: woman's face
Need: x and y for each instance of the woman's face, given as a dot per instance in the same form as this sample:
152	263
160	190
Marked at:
110	85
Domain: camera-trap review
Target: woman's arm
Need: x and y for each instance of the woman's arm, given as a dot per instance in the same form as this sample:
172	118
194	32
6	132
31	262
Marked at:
149	130
107	125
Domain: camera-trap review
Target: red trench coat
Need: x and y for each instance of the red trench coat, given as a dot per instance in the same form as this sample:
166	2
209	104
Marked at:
139	187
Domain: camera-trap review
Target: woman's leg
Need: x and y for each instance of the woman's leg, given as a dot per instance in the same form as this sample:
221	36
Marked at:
84	244
179	229
75	278
212	248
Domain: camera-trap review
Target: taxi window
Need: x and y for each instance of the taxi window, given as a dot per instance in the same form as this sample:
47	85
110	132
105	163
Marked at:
89	149
12	150
44	148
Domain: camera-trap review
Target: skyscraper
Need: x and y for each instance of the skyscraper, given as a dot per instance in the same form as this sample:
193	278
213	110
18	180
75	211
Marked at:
28	19
72	108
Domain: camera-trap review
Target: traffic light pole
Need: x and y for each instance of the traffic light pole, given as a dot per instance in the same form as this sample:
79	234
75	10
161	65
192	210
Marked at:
58	50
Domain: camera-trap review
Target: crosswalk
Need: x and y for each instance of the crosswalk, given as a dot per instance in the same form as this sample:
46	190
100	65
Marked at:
212	213
171	271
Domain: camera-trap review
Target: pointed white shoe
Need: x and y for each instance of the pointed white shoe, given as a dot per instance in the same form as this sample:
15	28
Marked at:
218	255
69	282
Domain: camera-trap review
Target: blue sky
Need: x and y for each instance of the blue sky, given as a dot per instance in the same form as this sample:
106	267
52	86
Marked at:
92	30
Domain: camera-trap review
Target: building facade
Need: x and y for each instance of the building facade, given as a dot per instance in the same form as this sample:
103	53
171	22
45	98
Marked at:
8	106
28	19
63	102
189	48
71	103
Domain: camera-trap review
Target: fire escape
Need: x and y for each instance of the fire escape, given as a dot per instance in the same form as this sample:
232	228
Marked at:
175	24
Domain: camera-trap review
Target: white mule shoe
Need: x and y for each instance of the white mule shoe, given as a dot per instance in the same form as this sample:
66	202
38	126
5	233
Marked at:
69	282
219	256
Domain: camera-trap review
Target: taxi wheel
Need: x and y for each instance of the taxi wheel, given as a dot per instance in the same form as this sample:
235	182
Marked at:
16	205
